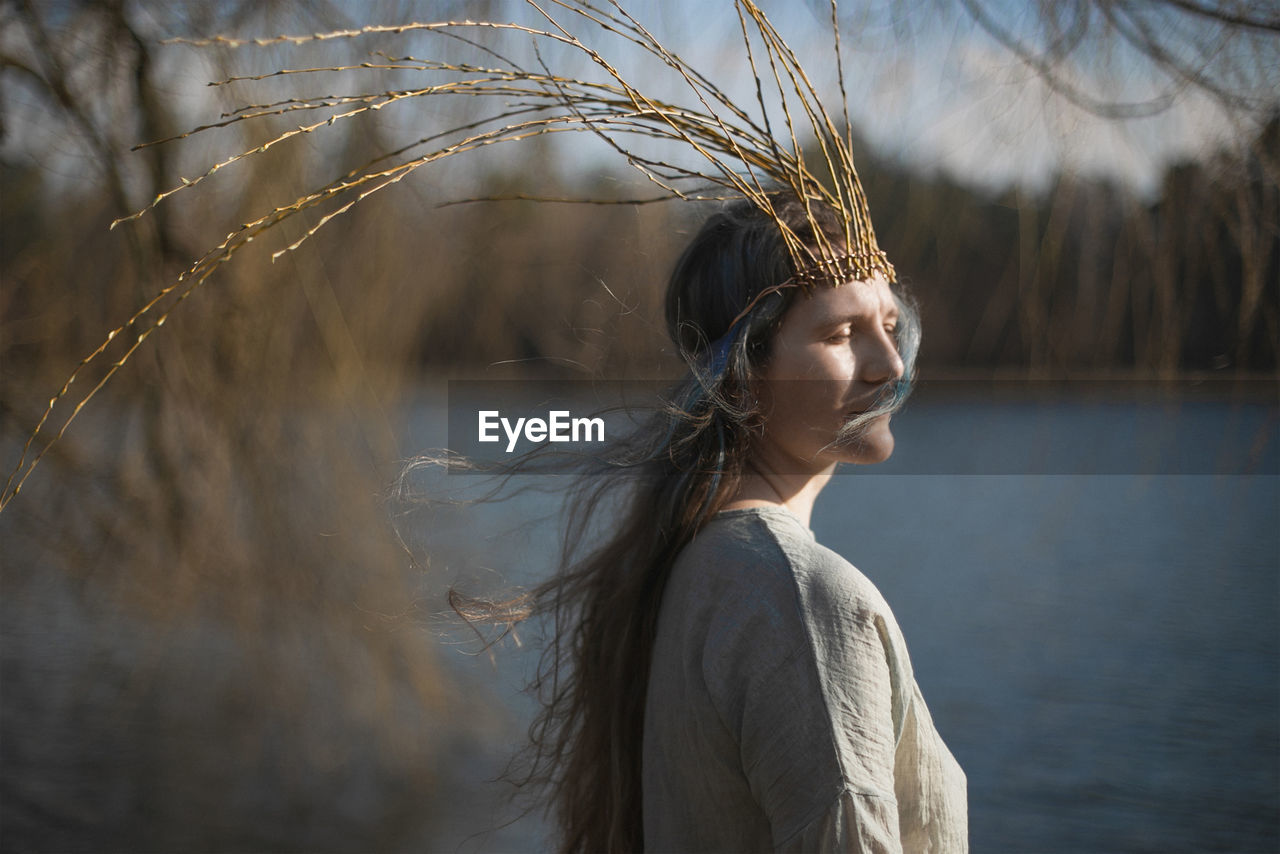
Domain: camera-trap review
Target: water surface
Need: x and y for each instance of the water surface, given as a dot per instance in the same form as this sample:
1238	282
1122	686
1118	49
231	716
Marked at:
1100	650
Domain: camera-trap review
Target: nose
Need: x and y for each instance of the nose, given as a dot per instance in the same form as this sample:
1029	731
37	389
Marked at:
881	362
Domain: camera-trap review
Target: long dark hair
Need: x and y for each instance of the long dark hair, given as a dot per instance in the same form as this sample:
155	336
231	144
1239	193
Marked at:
664	482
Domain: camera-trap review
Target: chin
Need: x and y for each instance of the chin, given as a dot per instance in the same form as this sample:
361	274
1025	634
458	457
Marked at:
873	446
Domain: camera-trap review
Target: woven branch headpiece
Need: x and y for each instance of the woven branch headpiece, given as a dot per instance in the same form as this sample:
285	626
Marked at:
727	151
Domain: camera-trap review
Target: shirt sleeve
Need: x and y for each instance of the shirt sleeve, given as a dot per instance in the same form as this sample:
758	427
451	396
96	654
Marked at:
803	678
854	822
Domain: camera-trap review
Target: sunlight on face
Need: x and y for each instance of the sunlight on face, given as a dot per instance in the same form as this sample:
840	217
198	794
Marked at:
831	358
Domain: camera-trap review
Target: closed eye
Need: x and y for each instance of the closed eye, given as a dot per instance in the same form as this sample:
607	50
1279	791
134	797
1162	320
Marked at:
845	332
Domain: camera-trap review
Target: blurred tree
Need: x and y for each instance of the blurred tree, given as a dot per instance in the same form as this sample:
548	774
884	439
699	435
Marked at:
193	655
1225	48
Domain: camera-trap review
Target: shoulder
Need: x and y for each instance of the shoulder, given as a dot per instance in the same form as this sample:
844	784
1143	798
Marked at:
760	573
767	549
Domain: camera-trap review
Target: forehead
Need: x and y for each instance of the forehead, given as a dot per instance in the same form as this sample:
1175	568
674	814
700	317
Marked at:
828	304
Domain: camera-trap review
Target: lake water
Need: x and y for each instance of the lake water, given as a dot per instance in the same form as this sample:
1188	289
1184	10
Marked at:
1090	591
1088	579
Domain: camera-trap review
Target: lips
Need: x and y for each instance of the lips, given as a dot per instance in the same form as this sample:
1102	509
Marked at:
863	406
867	402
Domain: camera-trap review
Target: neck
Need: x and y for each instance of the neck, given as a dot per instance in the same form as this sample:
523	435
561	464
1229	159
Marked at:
764	484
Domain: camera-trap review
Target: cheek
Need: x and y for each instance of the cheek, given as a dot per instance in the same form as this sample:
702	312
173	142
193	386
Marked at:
816	361
808	385
804	410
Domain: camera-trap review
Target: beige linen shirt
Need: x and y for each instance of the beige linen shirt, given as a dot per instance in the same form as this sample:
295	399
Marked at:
782	713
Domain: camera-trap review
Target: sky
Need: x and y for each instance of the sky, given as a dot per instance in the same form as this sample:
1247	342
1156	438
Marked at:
928	84
925	82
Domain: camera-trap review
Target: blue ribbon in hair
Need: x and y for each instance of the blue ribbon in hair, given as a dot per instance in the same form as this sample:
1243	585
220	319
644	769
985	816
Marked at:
720	350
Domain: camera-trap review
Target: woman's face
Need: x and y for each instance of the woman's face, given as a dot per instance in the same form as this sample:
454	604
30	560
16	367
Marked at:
829	361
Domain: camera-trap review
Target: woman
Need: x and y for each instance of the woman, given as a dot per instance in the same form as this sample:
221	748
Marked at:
781	710
715	679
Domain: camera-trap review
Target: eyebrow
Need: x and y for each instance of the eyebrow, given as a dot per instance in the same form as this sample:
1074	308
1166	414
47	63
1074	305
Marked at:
838	318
